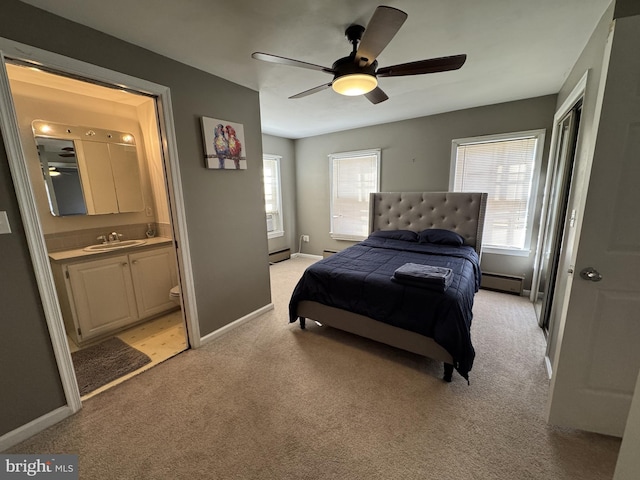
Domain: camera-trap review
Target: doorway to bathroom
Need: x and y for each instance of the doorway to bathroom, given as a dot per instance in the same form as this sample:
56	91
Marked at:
129	309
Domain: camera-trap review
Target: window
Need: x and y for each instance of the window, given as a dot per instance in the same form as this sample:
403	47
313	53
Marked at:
273	195
353	176
506	167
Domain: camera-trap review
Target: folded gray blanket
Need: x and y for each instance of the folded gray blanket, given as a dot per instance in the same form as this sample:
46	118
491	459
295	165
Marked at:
425	276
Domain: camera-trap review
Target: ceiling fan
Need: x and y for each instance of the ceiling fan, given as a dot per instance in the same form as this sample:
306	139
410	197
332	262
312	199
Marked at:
357	74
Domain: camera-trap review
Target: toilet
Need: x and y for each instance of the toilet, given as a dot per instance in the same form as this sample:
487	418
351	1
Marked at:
174	294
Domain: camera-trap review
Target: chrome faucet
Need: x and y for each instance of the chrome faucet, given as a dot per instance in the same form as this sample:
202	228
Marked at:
114	237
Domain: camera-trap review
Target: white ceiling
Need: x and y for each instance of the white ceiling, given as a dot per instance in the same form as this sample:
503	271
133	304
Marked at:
515	49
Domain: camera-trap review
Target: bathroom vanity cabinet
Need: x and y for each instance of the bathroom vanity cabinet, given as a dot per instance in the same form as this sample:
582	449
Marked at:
101	294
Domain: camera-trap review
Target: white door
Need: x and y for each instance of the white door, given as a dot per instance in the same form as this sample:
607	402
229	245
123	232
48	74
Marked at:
598	359
628	464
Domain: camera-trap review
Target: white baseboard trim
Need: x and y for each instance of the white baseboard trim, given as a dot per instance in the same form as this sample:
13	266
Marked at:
306	255
27	430
227	328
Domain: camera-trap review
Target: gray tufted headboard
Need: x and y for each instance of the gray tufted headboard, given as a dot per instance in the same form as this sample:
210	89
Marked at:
461	212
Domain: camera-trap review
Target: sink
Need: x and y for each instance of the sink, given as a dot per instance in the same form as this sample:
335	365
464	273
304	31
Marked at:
114	245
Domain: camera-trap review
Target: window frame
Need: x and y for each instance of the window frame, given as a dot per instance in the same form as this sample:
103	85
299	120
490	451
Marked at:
279	230
372	152
539	135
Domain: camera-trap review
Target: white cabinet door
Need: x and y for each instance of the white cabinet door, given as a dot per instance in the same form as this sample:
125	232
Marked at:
97	178
126	177
103	295
154	274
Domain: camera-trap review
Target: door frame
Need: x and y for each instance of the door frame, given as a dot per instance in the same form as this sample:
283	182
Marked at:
576	94
28	210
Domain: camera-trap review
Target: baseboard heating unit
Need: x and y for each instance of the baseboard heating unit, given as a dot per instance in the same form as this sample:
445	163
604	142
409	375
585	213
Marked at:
328	253
502	283
280	255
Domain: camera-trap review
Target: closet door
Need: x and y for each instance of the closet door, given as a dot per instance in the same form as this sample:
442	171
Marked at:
557	213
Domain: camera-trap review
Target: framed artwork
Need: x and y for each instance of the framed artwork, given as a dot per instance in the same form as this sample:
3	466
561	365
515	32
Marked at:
223	144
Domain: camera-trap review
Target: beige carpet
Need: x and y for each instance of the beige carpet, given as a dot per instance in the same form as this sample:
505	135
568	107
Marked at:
269	401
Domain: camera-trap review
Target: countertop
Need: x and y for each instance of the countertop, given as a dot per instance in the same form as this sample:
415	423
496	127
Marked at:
70	255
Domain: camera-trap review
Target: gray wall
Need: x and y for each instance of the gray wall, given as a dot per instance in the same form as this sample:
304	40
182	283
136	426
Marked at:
285	148
416	156
28	369
626	8
224	209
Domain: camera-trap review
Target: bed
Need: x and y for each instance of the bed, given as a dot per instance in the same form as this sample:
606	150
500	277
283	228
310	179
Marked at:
355	290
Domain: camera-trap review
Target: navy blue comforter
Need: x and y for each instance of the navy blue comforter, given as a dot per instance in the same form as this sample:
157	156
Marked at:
358	279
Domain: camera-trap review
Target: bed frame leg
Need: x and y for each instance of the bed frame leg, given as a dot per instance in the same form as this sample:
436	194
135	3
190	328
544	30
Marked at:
448	372
303	323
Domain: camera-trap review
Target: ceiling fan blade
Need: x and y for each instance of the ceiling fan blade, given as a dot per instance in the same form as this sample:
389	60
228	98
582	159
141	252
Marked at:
421	67
267	57
384	24
311	91
376	96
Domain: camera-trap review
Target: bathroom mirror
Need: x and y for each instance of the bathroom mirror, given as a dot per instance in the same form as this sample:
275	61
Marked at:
88	171
62	180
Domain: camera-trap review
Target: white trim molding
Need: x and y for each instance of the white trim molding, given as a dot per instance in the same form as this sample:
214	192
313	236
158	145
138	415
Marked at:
306	255
27	430
235	324
35	240
576	94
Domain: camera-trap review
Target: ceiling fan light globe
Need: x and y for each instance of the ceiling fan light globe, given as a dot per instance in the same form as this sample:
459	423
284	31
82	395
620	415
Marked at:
354	84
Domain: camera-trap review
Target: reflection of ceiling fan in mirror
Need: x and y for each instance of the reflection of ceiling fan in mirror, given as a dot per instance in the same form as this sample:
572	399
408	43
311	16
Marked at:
67	152
57	156
358	73
56	169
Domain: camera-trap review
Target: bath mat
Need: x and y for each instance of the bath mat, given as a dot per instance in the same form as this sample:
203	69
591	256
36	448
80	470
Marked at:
100	364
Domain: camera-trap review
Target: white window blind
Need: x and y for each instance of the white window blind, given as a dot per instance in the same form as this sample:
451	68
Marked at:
272	195
354	175
505	167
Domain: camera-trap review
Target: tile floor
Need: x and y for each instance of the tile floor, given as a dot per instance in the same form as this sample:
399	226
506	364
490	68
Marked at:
160	338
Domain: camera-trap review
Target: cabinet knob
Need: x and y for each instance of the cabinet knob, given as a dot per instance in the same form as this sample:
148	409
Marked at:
124	264
134	262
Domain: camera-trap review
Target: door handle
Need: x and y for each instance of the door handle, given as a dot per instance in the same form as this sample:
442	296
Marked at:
590	273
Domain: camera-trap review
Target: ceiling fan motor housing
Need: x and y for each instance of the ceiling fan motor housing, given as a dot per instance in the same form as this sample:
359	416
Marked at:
347	66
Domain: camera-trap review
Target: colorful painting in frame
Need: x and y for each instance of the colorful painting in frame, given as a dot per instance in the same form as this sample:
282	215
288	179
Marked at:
224	147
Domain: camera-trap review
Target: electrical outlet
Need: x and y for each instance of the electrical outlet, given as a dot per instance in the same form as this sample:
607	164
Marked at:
305	238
